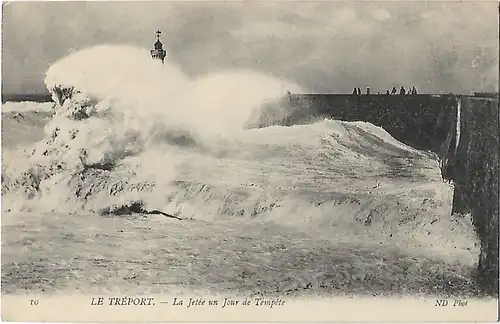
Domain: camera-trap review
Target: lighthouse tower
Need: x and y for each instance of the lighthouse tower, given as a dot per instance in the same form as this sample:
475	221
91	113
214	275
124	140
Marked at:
158	52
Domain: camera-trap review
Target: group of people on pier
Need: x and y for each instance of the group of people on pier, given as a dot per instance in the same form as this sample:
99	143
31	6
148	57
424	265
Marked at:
394	91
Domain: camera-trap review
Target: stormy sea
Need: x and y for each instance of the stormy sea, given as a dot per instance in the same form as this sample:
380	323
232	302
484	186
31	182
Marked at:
138	178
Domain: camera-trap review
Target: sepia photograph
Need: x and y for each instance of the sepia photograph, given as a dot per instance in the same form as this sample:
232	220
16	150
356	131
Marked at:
214	161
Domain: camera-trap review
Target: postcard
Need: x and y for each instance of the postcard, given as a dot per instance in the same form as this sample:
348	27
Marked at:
249	161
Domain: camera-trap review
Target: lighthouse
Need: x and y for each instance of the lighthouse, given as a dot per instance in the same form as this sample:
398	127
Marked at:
158	52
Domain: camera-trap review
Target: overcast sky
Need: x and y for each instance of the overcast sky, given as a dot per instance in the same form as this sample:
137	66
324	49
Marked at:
321	46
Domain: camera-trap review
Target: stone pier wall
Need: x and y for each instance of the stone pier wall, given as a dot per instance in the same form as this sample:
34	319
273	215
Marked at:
474	171
421	121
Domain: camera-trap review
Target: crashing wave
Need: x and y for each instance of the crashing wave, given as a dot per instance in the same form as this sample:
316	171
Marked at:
118	120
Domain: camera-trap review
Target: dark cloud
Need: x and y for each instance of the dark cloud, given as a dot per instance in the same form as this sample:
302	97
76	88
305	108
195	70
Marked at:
322	46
